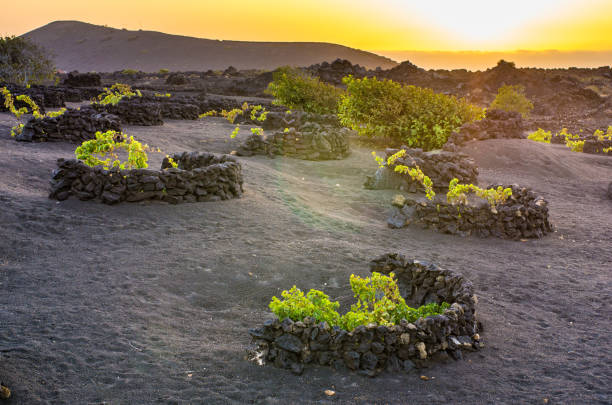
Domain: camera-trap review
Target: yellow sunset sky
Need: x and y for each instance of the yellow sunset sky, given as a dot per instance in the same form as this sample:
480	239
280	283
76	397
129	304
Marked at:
382	25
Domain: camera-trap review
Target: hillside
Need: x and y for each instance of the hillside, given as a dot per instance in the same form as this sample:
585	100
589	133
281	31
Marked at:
88	47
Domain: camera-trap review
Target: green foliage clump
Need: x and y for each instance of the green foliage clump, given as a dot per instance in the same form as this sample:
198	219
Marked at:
575	146
24	62
163	71
457	193
116	93
107	145
129	72
410	115
540	136
512	98
296	306
378	301
297	90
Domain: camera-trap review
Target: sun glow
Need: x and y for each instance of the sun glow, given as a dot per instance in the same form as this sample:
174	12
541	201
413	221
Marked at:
430	25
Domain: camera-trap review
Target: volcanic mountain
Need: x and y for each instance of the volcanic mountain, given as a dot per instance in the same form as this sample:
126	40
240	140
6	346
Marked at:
86	47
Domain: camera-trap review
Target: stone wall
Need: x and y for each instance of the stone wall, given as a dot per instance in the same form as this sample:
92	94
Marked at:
199	177
524	215
76	79
75	125
440	166
497	124
294	119
310	143
372	349
134	111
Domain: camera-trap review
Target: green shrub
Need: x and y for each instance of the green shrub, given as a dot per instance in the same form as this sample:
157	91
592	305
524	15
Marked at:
129	72
410	115
540	136
24	62
297	90
163	71
116	93
512	98
378	301
457	193
109	143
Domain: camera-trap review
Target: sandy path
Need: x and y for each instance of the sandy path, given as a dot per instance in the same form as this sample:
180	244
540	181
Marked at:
151	303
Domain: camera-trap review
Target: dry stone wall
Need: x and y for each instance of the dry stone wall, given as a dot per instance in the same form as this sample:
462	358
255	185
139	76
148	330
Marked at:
75	125
497	124
372	349
311	143
199	177
524	215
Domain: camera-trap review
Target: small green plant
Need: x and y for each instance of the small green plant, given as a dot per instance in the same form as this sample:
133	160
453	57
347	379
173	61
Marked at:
457	193
166	95
116	93
129	72
378	301
297	90
172	162
296	306
414	172
257	131
211	113
163	71
107	145
575	146
9	103
540	136
512	98
409	115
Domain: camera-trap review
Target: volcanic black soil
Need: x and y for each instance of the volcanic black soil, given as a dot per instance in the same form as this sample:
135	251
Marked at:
151	303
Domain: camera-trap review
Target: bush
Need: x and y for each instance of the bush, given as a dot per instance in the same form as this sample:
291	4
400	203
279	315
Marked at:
540	136
24	62
457	193
109	143
378	301
130	72
116	93
163	71
512	98
297	90
410	115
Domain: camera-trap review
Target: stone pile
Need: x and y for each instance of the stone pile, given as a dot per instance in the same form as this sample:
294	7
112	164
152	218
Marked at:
440	166
177	79
279	118
200	176
75	125
134	111
176	107
497	124
76	79
334	72
312	142
372	349
523	215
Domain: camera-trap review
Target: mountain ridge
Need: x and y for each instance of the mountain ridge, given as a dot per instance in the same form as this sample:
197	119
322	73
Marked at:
77	45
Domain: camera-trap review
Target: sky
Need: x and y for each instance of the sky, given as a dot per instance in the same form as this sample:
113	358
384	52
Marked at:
381	26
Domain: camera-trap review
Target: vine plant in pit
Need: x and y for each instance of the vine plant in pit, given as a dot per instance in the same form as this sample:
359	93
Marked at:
104	151
9	103
378	301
